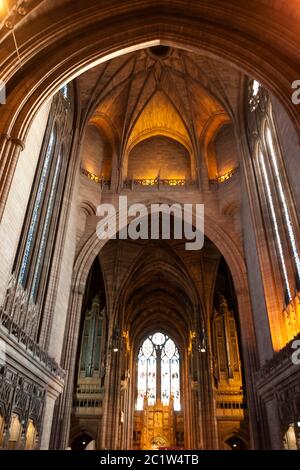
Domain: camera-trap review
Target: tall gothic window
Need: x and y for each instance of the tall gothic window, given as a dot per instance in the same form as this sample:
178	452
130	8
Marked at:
37	206
36	244
275	223
158	372
269	163
273	154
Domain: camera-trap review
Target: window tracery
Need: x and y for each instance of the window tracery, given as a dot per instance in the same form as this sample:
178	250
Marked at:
158	371
26	290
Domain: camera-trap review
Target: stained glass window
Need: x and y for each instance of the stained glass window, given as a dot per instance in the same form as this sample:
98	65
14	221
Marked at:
45	232
275	224
276	190
286	213
33	260
37	207
158	353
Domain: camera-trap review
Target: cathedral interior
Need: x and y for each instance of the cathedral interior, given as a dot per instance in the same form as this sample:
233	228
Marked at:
126	343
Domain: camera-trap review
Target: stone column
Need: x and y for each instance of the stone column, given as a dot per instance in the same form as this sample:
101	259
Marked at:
208	416
111	402
115	173
131	404
275	433
64	408
10	149
47	422
5	436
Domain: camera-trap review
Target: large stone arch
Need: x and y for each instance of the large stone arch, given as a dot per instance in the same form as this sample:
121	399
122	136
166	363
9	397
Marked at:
20	109
221	238
235	260
223	241
234	38
77	39
76	42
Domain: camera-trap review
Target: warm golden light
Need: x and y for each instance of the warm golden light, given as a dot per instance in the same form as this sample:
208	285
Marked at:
91	175
2	7
229	174
125	335
159	117
139	181
192	337
159	182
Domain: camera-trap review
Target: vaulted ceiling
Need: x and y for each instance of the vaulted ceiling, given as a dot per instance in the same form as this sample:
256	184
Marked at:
159	90
159	284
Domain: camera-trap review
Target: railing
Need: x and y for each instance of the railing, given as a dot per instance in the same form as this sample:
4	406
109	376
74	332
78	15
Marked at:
143	183
159	183
88	389
87	402
226	405
88	396
30	345
104	183
225	177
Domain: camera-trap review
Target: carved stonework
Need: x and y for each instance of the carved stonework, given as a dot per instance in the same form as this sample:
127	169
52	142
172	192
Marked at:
19	308
270	367
21	397
158	429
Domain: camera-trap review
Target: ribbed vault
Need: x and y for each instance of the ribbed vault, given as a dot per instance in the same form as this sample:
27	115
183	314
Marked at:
144	95
158	294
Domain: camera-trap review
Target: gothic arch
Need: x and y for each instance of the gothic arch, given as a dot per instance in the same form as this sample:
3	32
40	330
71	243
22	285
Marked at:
210	26
213	231
171	24
223	242
235	434
79	434
160	25
234	258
